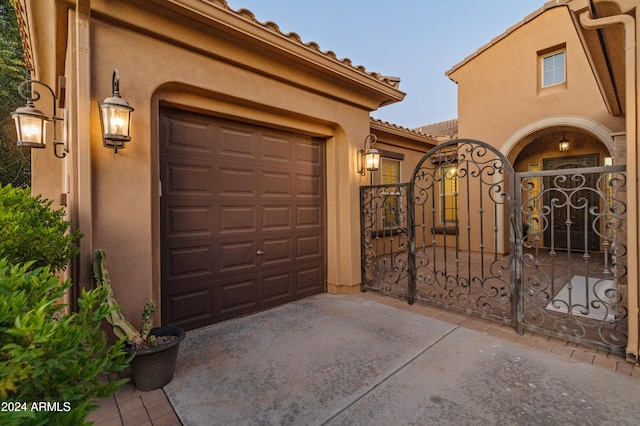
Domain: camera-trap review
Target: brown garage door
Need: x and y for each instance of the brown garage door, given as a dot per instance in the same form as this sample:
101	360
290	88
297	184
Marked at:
242	217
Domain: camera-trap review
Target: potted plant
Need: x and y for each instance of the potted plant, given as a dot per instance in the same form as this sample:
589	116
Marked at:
154	350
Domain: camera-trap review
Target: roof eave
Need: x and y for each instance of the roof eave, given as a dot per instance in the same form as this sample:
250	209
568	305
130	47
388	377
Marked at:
242	23
384	127
607	68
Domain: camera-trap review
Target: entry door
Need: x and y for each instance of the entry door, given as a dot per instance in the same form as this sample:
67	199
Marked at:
242	218
572	204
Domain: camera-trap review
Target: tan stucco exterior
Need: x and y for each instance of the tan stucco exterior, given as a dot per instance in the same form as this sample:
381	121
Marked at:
503	81
502	100
203	57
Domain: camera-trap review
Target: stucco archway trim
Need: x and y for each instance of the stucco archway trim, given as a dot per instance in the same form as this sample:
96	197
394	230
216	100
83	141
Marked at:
602	133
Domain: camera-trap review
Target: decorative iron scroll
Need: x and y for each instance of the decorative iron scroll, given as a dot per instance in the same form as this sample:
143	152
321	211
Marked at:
463	264
384	238
544	251
575	287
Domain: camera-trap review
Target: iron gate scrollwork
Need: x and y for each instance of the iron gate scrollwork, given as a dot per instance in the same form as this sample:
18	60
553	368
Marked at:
383	215
469	234
460	256
574	287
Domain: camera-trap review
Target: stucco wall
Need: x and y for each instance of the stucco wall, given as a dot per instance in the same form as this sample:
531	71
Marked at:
125	185
503	82
213	61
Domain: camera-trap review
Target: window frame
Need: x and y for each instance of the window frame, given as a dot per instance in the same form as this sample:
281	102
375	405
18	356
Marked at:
387	208
454	195
543	56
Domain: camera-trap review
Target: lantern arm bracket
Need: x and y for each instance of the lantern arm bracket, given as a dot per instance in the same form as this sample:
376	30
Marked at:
31	95
363	152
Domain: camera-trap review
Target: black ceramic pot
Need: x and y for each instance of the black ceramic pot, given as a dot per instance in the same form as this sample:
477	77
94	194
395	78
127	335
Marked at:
153	368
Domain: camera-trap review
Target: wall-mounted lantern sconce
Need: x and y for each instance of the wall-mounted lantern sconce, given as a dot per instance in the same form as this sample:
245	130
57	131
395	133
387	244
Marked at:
30	121
115	117
564	143
368	159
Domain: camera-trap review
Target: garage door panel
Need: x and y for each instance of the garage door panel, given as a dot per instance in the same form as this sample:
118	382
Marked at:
276	184
237	143
309	279
240	296
189	262
276	218
189	135
194	221
182	179
235	219
237	256
194	305
237	182
277	287
276	251
308	217
308	186
242	223
308	247
309	154
276	149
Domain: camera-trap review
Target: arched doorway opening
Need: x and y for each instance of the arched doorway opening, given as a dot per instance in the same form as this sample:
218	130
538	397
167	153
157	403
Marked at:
562	148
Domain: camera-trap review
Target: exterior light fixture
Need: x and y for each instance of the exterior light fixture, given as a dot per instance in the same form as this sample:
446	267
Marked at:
563	145
115	117
368	159
30	121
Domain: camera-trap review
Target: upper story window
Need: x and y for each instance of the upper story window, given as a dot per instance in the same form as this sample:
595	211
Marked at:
554	68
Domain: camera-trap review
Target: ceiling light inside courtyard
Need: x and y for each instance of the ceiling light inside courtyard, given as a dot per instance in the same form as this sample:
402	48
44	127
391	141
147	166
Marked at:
564	143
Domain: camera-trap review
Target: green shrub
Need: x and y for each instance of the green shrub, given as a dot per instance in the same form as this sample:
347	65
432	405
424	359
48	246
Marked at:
48	357
32	232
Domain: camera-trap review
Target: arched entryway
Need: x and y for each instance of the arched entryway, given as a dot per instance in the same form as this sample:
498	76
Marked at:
558	148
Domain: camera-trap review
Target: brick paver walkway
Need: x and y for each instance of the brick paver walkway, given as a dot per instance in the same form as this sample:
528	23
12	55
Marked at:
130	407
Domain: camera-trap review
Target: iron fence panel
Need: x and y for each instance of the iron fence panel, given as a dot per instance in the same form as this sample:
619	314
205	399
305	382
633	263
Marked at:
544	251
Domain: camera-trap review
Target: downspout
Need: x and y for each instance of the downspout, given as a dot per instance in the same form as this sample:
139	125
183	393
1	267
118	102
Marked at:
83	135
631	34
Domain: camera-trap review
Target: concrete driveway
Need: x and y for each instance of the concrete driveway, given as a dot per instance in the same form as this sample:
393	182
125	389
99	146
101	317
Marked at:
348	360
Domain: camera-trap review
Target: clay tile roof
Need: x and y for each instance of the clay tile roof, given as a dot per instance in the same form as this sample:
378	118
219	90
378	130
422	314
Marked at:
312	45
385	124
442	129
246	14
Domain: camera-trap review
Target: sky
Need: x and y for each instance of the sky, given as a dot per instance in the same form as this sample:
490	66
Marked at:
416	40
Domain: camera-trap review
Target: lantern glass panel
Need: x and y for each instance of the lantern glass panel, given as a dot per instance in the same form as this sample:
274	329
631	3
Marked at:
372	160
116	122
30	130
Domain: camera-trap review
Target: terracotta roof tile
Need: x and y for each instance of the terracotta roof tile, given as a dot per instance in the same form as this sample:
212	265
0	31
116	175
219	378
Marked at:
414	132
443	129
312	45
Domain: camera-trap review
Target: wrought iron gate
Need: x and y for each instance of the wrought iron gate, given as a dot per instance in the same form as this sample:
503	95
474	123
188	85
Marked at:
467	233
574	287
383	215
